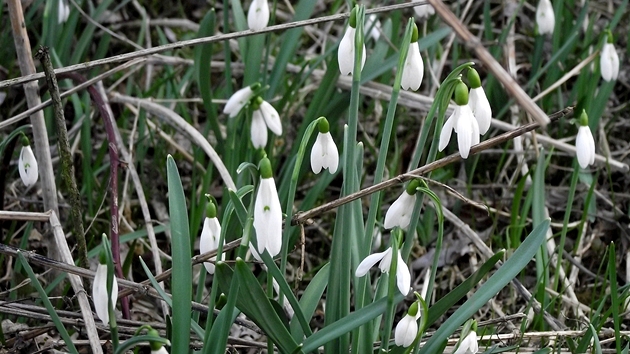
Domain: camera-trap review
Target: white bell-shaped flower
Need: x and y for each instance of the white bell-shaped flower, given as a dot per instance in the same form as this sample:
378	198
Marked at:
463	122
584	143
346	53
210	235
258	15
63	11
267	212
609	60
423	11
161	350
478	102
373	25
27	164
239	99
324	153
468	345
407	328
403	277
99	292
545	18
413	71
263	117
399	213
156	347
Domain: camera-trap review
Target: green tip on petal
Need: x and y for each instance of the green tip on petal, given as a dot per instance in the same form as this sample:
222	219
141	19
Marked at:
323	126
256	102
473	78
24	140
583	118
461	94
412	187
211	210
413	309
255	86
610	36
265	168
353	17
414	35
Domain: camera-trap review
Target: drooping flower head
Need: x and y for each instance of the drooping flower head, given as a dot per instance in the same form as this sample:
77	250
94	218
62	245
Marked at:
240	99
423	11
63	11
478	102
399	213
210	234
324	153
609	60
156	347
468	341
407	329
545	18
263	117
584	143
258	15
27	164
99	290
267	212
373	25
413	71
463	122
346	52
403	277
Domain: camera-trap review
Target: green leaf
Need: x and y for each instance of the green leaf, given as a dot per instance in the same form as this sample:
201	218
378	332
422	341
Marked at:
221	327
310	299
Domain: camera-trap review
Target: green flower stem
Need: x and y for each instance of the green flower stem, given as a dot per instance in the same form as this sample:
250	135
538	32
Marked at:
567	217
392	289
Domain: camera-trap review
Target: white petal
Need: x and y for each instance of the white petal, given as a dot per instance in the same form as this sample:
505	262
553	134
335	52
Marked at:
324	154
99	293
272	118
345	53
3	95
268	217
413	71
258	15
468	345
162	350
369	262
585	146
467	130
27	166
399	213
317	155
406	331
545	18
403	277
481	108
424	10
63	11
210	235
447	129
258	130
373	25
386	262
609	62
237	101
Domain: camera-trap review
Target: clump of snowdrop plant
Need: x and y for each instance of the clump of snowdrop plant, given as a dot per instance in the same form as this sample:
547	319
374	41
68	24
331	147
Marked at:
210	234
258	15
27	164
403	277
324	153
99	290
468	341
263	117
413	71
545	18
609	59
267	212
478	102
407	329
399	213
240	99
346	52
584	142
463	122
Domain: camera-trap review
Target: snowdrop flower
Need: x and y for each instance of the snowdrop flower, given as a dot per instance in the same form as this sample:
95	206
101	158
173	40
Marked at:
609	60
99	291
478	102
463	122
469	344
374	26
345	53
324	153
413	71
27	164
156	347
258	15
584	143
424	10
210	235
403	277
239	99
267	212
63	11
545	18
399	214
407	329
264	116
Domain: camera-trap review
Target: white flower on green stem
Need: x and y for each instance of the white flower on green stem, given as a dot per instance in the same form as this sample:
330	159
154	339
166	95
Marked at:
99	292
399	213
463	122
468	345
239	99
584	143
407	328
425	10
374	26
413	71
210	235
27	164
156	347
545	18
324	153
478	102
267	212
258	15
263	117
63	11
403	277
609	60
346	52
